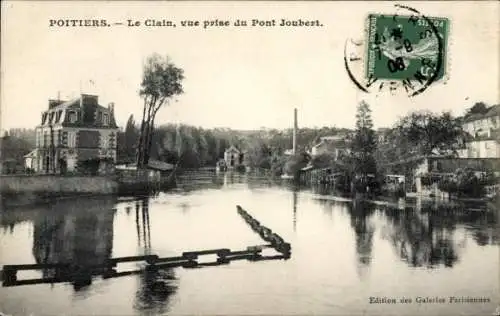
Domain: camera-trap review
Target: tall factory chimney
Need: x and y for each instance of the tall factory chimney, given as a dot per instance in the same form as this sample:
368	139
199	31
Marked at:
295	128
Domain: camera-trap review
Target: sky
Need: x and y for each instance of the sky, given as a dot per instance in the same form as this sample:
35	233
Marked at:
242	78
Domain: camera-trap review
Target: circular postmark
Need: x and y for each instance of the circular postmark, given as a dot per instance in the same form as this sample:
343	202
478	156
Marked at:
400	52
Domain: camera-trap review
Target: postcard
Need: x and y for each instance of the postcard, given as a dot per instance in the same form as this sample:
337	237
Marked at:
250	158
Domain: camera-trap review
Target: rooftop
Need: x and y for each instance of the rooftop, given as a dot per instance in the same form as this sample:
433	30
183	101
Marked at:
86	111
493	110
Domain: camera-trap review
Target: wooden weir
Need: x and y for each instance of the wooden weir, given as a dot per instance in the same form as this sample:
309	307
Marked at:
82	275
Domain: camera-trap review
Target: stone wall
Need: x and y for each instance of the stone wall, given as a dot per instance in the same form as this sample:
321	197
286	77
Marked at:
58	185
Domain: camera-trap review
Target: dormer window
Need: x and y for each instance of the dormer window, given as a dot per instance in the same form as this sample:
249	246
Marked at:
51	117
58	115
105	119
72	117
44	118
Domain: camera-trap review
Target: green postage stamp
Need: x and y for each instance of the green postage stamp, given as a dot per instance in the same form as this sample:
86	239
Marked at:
406	48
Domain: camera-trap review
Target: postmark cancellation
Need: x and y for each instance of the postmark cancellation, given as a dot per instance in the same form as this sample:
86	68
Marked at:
406	52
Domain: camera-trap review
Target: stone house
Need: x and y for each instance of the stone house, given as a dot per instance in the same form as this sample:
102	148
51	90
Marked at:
74	131
484	134
233	157
334	145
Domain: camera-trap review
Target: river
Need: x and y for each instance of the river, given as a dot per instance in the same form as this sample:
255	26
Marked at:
344	254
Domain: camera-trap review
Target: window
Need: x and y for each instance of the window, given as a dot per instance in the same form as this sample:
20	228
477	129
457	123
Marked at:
64	141
104	141
72	117
46	139
71	139
99	117
111	141
105	119
58	116
44	118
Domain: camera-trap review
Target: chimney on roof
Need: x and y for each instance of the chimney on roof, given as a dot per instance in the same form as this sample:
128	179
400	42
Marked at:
111	108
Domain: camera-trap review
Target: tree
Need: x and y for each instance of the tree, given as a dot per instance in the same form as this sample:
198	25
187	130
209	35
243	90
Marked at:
295	163
325	160
426	133
13	149
130	136
477	108
258	152
363	143
161	81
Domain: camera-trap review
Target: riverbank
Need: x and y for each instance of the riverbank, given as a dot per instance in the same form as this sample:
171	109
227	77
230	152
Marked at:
416	201
74	184
17	190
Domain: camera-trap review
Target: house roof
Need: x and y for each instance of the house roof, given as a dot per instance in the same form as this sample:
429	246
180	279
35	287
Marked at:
492	111
86	105
232	148
31	154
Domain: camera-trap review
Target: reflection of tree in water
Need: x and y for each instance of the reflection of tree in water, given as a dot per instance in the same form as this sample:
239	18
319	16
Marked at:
482	225
323	189
155	290
360	213
294	208
425	238
155	286
77	232
142	224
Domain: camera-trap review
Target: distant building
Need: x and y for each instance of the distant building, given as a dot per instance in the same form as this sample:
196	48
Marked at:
233	157
334	145
484	134
73	131
30	160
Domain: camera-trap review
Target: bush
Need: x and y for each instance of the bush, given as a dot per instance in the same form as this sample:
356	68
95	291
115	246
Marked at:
295	163
323	161
464	183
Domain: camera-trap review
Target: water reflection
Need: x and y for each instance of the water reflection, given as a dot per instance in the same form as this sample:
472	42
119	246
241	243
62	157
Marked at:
66	235
202	180
426	235
359	214
416	233
155	290
295	194
142	224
